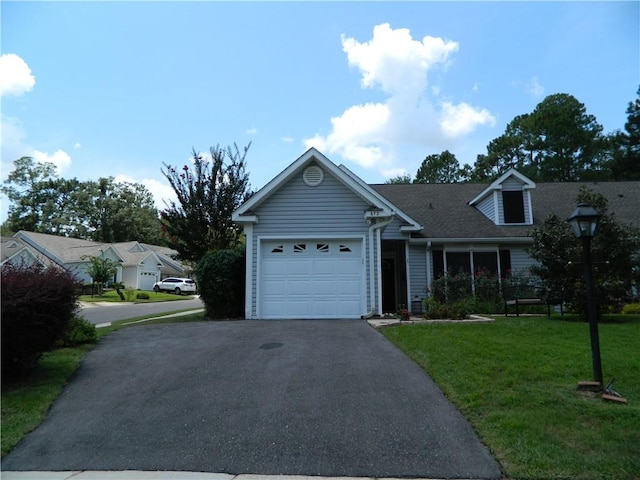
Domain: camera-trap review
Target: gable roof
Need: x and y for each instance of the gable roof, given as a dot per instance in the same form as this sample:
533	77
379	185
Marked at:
65	250
445	211
497	184
245	212
14	249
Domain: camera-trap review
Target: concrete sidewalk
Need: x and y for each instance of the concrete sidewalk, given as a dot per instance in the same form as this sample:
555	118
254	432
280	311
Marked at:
137	475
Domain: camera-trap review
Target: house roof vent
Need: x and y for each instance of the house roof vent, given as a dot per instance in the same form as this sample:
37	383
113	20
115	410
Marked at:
313	176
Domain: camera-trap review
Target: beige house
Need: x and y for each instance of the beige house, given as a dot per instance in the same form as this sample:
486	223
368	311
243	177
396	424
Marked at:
140	265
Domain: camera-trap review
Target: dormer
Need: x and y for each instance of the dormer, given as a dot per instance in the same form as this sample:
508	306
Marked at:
507	201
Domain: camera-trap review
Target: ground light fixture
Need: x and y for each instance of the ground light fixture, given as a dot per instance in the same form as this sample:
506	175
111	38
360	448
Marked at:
584	223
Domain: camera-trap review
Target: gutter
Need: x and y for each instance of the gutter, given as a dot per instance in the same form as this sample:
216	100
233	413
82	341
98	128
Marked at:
372	297
425	240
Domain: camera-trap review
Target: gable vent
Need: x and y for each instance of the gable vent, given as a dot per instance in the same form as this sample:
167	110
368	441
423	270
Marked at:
313	176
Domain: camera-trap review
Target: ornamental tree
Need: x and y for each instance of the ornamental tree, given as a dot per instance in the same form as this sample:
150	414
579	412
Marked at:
208	192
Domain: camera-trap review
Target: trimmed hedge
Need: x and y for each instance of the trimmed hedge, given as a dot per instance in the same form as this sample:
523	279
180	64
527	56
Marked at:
221	281
37	306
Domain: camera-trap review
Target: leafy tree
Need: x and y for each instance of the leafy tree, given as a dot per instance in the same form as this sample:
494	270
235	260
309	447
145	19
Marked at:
614	250
26	188
399	179
124	211
558	141
101	270
440	168
208	192
105	211
626	145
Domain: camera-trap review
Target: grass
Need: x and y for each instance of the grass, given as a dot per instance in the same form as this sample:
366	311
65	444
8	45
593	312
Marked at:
112	296
26	402
515	381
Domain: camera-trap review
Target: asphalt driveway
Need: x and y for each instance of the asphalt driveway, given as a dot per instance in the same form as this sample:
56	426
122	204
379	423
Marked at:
327	398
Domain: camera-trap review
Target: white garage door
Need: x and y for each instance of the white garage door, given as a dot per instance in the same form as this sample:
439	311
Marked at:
147	279
311	279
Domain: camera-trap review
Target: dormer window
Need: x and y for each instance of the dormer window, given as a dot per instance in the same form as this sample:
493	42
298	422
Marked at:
513	202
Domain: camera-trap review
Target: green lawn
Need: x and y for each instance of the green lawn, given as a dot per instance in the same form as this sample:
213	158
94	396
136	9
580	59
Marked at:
112	296
515	381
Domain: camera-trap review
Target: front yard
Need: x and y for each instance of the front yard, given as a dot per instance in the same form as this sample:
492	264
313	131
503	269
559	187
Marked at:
515	381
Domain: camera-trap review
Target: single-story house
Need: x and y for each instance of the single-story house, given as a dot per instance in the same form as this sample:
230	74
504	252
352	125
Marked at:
140	265
321	243
17	252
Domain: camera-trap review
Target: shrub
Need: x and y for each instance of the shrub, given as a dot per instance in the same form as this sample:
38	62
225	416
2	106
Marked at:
631	309
458	310
221	280
79	331
37	306
129	292
142	296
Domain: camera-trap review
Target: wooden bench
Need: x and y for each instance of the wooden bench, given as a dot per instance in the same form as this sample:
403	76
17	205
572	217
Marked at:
523	295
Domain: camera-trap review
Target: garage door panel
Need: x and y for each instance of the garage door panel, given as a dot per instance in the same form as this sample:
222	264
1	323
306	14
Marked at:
348	265
298	266
325	267
298	287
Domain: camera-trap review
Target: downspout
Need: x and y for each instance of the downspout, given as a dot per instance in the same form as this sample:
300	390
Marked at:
372	297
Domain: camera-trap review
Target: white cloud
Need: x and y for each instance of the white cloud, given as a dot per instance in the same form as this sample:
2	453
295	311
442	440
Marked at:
413	114
15	75
462	119
534	88
252	131
161	191
288	139
394	61
77	146
59	158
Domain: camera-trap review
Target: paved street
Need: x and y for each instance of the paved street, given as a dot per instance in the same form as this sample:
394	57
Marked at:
329	398
111	312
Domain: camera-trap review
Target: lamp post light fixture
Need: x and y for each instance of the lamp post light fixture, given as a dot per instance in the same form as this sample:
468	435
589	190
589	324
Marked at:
584	222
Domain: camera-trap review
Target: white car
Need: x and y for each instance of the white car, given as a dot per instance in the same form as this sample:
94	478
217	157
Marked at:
175	285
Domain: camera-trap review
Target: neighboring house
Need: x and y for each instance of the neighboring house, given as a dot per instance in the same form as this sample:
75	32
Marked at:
323	244
140	265
16	252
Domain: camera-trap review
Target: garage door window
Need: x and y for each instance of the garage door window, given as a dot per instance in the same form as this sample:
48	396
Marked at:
278	249
345	249
322	247
299	248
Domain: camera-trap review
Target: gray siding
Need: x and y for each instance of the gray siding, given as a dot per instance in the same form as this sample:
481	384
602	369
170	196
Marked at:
392	231
512	184
417	271
520	260
296	209
487	207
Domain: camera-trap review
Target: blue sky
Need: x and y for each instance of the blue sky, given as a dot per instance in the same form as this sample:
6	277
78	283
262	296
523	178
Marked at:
118	88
